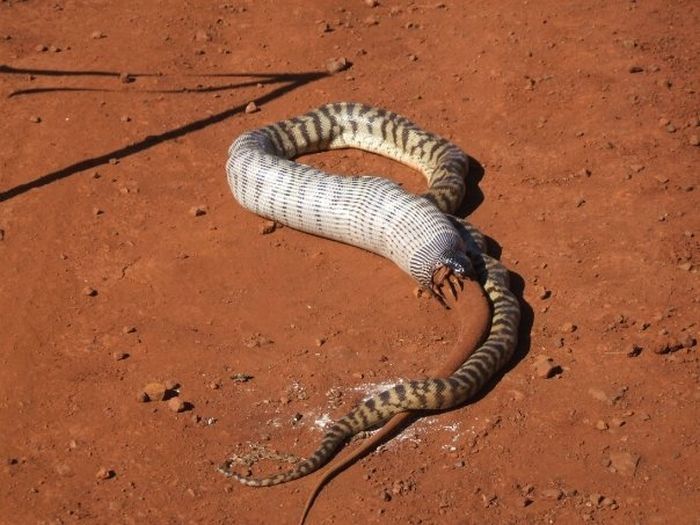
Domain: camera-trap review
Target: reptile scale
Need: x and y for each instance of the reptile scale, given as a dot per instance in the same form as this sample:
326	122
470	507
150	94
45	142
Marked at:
417	232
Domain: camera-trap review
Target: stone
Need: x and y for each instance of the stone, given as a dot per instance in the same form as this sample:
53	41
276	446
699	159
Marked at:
155	391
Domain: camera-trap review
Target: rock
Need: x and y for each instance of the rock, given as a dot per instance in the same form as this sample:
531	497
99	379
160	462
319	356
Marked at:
543	293
97	211
595	499
598	394
126	78
635	69
694	140
636	167
336	65
35	119
568	327
2	234
96	35
125	118
142	397
634	351
176	404
40	48
412	57
523	501
552	494
371	21
545	367
325	27
371	3
171	384
252	107
128	329
268	227
671	128
104	473
119	356
617	422
668	346
198	211
686	266
202	36
624	463
663	122
601	425
90	292
155	391
241	378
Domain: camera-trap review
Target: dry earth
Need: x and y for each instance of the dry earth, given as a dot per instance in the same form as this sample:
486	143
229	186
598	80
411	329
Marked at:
116	118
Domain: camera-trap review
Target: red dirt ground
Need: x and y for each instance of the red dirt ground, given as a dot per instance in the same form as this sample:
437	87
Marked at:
584	117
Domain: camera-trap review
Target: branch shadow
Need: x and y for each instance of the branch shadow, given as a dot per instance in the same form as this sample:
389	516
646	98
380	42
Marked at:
293	81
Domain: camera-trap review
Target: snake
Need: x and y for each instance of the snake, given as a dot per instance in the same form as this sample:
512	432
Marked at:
419	233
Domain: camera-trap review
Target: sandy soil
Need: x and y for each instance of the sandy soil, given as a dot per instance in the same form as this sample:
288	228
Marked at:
116	118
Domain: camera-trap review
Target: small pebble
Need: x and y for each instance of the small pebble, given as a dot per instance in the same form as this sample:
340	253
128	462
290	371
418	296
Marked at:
552	494
35	119
125	118
595	499
636	167
371	3
252	107
268	227
545	367
543	293
634	351
371	21
97	211
671	128
40	48
176	404
104	473
142	397
202	36
128	329
663	122
155	391
96	35
568	328
126	78
694	140
198	211
241	378
119	356
412	57
635	69
2	234
90	292
601	425
336	65
524	501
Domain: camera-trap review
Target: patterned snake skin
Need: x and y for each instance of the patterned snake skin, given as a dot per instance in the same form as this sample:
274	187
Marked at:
416	232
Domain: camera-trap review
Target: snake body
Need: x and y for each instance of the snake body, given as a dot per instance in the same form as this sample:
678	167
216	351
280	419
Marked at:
416	232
